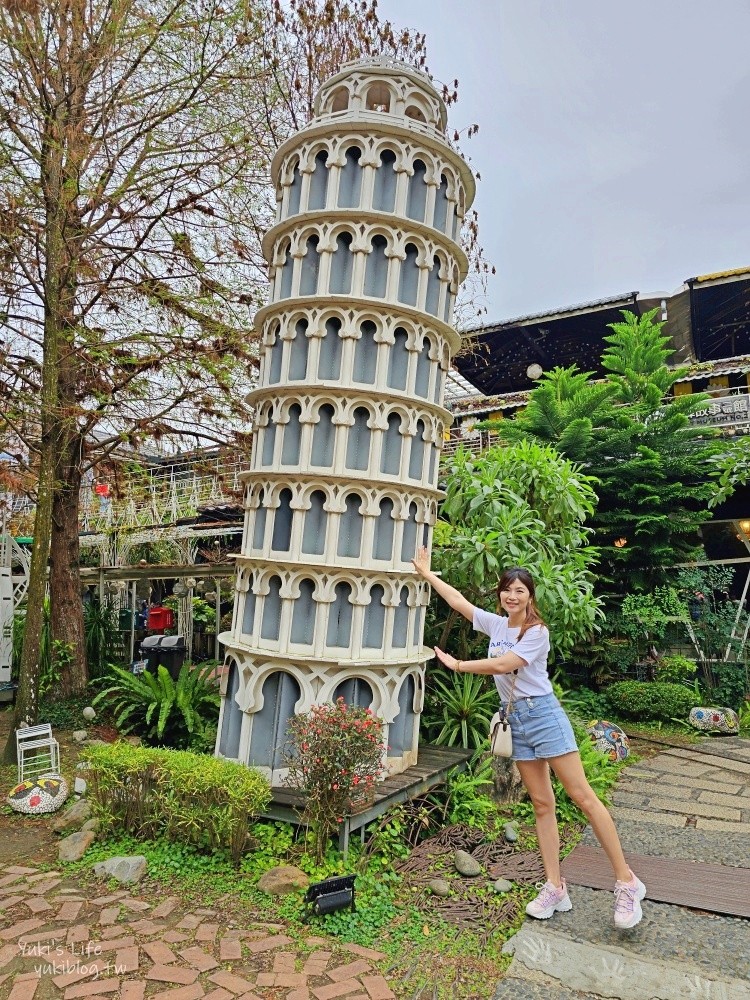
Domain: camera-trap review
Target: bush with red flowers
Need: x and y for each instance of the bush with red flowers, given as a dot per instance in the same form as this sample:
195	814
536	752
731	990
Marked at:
335	755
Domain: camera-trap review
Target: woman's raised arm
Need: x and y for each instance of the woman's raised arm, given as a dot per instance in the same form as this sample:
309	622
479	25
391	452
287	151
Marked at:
449	594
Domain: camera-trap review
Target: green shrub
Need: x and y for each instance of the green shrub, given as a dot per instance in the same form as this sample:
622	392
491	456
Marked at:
468	792
186	797
731	683
102	635
64	713
744	714
645	700
180	714
675	669
464	796
584	704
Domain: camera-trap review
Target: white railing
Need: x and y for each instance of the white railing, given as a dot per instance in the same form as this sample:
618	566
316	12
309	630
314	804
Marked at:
161	497
476	441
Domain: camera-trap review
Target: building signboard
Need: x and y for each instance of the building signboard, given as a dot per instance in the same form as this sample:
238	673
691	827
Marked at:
727	410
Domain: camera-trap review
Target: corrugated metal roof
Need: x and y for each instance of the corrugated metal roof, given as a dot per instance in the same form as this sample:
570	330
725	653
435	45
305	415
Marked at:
719	275
486	404
458	388
607	303
727	366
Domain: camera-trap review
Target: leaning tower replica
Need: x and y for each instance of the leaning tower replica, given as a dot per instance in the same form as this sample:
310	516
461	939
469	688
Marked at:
356	342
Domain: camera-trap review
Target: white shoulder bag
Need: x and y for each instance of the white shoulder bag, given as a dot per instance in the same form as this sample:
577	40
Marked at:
501	738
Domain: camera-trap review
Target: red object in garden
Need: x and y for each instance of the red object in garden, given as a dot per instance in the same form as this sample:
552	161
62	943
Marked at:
102	489
160	618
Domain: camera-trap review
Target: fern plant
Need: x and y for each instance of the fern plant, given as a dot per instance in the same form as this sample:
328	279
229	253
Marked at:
165	712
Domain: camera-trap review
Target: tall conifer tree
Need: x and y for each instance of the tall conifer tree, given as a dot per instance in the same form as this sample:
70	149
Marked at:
653	467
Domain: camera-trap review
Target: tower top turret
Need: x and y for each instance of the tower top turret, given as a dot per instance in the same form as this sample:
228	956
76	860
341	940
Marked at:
386	86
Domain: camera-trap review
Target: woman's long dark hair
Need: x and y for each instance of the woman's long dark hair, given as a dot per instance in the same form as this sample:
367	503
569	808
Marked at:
517	573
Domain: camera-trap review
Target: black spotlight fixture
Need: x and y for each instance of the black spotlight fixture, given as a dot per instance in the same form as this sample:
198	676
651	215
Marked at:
331	894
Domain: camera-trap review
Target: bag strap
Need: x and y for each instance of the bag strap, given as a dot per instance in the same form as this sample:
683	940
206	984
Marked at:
509	706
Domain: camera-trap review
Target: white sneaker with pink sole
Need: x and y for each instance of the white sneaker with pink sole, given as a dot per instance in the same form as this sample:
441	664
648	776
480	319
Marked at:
550	900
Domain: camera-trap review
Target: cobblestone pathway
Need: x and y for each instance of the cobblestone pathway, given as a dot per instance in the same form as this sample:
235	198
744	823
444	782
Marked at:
690	788
54	943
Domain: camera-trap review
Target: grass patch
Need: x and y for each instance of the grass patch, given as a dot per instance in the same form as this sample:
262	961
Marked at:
676	732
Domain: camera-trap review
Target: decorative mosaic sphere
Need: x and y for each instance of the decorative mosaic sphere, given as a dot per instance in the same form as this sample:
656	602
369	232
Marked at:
714	720
609	739
36	796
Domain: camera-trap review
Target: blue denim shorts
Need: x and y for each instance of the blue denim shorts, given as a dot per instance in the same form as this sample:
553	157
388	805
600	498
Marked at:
540	728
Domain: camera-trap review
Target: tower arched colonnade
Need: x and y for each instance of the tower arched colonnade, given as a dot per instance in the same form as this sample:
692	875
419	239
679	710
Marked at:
356	343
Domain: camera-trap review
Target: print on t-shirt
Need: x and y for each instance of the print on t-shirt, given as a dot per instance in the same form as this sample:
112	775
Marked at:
532	679
499	647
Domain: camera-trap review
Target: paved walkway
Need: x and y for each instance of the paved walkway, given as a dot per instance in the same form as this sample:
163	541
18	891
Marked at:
703	788
692	804
57	945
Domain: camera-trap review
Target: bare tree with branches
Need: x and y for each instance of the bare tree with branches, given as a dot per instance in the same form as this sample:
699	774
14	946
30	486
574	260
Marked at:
134	162
132	174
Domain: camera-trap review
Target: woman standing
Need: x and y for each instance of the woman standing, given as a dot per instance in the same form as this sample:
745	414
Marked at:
542	735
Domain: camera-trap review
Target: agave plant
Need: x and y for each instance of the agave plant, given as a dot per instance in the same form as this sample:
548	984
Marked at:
171	713
460	709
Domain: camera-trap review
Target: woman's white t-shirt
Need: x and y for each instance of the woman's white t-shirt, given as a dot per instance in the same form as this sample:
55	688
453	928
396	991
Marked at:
532	681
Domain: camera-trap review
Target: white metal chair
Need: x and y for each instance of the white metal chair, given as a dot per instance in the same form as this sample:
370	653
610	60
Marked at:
38	751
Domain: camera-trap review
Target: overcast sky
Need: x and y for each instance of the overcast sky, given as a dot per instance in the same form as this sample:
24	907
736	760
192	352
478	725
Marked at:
614	143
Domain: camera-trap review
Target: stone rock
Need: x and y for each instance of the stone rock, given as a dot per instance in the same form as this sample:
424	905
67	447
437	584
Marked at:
73	818
36	796
502	885
91	824
123	869
80	786
80	735
714	720
609	739
73	848
133	741
282	880
83	765
510	832
466	865
97	743
439	887
88	713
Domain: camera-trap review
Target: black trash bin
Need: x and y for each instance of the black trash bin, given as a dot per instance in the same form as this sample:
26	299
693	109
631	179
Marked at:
150	651
172	650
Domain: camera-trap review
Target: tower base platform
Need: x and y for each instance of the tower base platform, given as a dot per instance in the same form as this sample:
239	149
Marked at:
431	769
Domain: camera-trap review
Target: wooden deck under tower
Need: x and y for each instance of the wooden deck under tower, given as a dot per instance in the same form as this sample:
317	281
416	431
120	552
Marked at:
431	769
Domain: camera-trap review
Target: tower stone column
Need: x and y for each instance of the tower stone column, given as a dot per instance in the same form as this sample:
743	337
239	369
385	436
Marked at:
349	422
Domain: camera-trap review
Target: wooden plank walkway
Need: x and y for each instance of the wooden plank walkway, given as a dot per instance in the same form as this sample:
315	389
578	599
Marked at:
431	769
713	888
